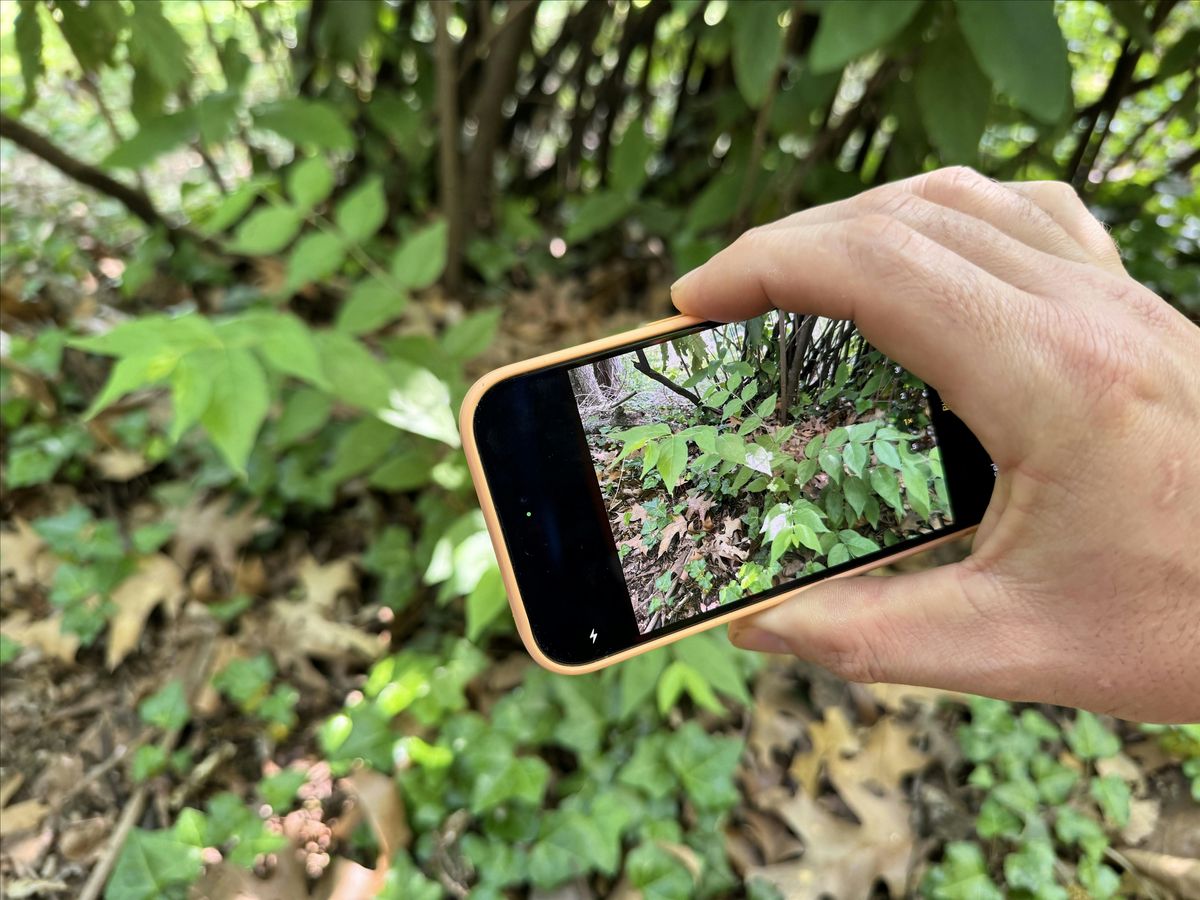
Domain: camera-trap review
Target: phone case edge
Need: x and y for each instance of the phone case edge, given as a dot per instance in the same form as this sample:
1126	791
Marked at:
466	424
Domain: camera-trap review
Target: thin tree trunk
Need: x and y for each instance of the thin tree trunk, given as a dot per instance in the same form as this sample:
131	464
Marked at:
488	109
448	131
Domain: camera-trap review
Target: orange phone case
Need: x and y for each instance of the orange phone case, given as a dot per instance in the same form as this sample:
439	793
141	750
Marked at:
653	330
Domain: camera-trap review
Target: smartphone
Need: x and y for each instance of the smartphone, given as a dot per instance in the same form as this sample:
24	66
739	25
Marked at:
663	481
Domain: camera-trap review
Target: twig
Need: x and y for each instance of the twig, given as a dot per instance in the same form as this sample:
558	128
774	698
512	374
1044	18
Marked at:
197	675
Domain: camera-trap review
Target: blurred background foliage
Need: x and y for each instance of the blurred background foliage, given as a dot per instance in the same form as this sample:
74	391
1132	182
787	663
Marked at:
253	252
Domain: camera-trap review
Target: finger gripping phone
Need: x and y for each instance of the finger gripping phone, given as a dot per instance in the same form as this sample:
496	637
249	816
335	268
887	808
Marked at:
663	481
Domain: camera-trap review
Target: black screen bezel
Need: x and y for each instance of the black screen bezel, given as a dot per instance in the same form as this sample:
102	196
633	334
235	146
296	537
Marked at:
534	453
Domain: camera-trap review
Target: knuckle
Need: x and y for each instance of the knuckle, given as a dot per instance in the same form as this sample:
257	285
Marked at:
957	181
851	657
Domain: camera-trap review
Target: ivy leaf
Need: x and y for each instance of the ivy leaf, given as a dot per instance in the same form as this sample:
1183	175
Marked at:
953	96
524	778
152	865
1112	794
680	677
1032	868
1021	49
962	875
363	211
849	30
267	231
237	407
1091	740
167	708
279	790
704	765
757	47
715	660
308	123
422	257
657	874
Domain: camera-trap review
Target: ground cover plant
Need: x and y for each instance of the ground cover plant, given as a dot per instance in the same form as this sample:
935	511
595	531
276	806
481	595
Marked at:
735	459
252	638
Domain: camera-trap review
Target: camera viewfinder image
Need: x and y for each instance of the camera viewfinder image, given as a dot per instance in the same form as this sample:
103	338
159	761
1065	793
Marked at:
736	459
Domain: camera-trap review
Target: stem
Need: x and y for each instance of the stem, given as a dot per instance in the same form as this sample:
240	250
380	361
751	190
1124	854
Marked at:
643	366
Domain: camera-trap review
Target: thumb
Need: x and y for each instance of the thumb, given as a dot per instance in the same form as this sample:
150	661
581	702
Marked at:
920	629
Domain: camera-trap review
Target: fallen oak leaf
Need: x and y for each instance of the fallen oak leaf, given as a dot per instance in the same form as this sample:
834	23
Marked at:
22	553
24	816
157	580
676	528
323	584
379	799
201	527
46	635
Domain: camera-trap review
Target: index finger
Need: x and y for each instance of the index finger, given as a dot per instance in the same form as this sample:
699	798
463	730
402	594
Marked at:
946	320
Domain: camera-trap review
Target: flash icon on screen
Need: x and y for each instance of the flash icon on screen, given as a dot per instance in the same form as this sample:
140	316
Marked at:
593	635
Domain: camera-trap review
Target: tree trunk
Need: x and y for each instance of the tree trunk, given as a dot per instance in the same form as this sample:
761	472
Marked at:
448	132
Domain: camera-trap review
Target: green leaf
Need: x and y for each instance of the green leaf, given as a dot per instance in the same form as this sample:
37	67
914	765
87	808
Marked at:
627	171
167	708
361	732
149	760
315	257
657	874
131	373
731	447
487	600
309	123
997	820
239	403
370	305
1091	740
704	765
153	865
156	46
715	660
363	211
1032	868
849	30
855	490
9	649
215	116
304	411
886	453
680	677
191	389
757	48
422	257
1132	16
831	462
267	231
279	790
364	445
916	488
154	138
672	460
953	96
1073	827
231	208
839	554
472	335
1112	794
355	375
286	344
91	33
1101	881
638	678
405	471
419	402
597	212
1020	48
309	182
524	779
859	545
962	875
1180	56
27	34
855	457
888	487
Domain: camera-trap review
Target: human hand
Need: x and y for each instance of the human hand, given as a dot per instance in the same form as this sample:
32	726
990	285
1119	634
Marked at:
1083	584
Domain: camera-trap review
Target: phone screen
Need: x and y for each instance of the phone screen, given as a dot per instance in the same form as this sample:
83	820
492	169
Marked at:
735	460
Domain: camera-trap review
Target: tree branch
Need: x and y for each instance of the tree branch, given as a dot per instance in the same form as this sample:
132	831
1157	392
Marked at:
643	365
136	201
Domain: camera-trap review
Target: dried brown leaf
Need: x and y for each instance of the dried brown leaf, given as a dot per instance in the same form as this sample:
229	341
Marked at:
157	580
1176	873
380	800
22	554
210	527
24	816
323	584
45	634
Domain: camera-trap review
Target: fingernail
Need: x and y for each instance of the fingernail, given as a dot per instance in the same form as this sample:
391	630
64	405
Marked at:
748	637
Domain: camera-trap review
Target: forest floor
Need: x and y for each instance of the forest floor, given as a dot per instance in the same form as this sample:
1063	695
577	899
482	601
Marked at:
845	788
